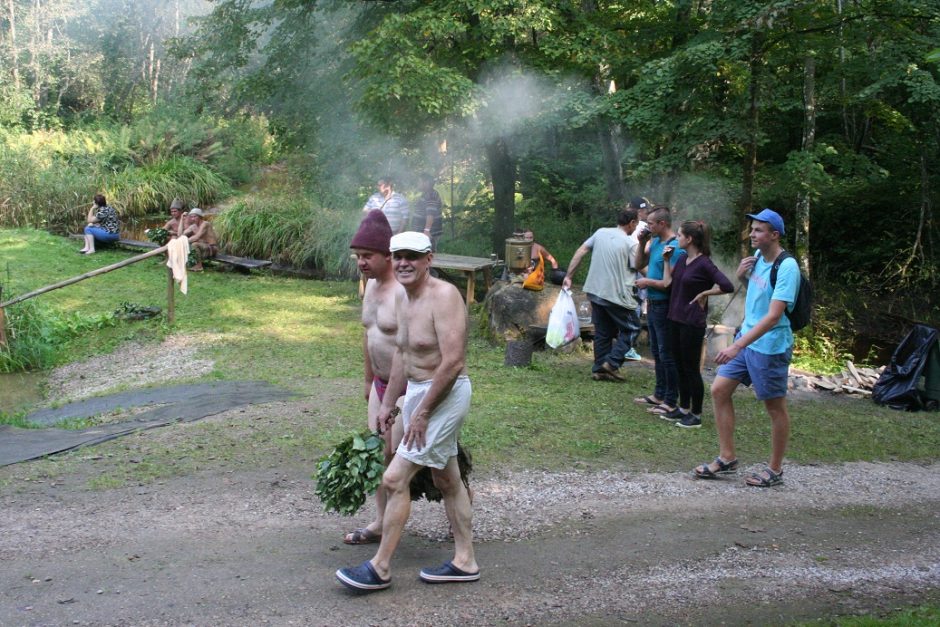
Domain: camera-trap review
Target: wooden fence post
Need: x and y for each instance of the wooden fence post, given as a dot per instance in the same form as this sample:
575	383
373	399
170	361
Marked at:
3	322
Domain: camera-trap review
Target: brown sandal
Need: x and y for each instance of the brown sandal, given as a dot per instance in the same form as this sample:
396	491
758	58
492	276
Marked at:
362	536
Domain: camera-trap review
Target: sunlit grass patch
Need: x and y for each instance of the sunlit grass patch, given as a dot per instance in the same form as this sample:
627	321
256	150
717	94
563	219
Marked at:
307	336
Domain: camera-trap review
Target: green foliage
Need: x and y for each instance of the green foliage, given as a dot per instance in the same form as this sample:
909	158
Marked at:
37	333
159	236
138	191
350	473
290	228
49	177
818	353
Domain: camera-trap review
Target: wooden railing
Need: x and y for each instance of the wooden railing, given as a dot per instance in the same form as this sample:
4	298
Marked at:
170	294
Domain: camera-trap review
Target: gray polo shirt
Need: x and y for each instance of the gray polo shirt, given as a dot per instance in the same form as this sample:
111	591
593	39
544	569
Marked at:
611	275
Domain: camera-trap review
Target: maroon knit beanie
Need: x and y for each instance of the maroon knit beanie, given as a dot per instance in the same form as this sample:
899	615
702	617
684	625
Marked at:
374	232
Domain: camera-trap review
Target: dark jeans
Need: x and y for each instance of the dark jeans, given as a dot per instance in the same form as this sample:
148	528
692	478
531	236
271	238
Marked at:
615	327
666	373
685	344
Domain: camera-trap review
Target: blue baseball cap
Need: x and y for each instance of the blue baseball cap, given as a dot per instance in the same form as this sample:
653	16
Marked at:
771	217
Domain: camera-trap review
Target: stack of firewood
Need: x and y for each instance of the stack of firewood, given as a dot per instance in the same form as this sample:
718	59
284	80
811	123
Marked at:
852	380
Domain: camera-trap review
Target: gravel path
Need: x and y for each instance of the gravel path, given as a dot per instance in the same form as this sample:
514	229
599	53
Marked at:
239	548
244	547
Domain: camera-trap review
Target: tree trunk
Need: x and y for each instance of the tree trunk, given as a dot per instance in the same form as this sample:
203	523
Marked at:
607	135
809	138
746	202
14	51
503	174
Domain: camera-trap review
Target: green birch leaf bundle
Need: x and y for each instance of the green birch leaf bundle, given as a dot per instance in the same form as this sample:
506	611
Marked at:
158	235
353	471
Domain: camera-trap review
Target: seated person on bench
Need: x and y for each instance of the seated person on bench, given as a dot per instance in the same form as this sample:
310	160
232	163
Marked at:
202	239
103	225
172	226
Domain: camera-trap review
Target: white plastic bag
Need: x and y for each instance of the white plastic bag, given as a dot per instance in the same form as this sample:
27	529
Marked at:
563	324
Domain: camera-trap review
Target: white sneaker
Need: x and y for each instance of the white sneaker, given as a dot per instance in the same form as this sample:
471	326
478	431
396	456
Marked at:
632	355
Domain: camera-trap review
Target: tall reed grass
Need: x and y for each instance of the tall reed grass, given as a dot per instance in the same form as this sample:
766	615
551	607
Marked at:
48	178
36	334
291	229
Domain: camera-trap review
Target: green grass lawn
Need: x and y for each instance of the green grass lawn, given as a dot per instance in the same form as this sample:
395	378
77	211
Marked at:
548	416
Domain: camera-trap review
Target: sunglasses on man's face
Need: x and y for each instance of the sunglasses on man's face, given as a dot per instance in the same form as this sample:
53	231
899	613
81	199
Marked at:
409	255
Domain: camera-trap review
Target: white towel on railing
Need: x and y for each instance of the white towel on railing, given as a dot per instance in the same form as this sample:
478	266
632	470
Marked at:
177	252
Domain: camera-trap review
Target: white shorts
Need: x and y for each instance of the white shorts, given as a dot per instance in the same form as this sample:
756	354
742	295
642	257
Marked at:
440	441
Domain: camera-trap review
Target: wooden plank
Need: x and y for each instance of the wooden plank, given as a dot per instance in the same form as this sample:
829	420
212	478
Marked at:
136	243
854	372
241	262
854	390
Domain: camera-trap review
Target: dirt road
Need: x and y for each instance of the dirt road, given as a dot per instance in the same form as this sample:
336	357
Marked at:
222	545
255	548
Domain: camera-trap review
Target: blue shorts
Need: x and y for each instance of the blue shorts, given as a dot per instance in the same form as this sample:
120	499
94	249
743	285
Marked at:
767	373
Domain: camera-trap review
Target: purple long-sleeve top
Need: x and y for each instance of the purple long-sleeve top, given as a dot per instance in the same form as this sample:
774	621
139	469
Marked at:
688	281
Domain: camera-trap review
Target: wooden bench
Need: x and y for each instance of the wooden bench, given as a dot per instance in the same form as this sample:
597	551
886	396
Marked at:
243	264
469	266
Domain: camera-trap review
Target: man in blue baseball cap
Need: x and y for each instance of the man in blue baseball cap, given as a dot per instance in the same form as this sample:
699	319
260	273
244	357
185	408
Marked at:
761	352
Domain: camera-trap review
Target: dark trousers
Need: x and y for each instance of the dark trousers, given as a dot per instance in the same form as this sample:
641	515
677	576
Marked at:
685	344
615	328
667	375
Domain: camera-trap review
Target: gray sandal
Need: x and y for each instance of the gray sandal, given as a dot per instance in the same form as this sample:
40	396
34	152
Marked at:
704	471
766	478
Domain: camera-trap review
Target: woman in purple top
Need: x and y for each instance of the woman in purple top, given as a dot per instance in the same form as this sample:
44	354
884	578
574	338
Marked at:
693	280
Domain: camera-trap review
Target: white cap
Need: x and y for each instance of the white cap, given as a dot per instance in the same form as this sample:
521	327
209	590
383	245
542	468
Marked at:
196	211
410	240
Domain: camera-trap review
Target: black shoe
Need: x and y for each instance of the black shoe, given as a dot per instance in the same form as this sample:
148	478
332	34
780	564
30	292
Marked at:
612	372
690	421
675	414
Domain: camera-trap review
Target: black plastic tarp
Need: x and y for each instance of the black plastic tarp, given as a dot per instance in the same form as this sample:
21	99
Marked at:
179	403
902	384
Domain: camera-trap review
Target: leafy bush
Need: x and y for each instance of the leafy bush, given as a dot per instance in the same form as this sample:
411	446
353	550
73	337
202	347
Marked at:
289	228
48	178
36	333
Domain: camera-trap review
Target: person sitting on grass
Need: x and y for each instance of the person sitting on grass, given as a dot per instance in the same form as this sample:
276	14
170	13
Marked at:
693	280
202	239
103	225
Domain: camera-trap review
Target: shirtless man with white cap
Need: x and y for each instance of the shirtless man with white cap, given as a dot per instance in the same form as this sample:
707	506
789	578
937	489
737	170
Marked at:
430	357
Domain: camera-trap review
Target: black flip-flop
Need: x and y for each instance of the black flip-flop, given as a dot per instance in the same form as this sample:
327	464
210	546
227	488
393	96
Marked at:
645	400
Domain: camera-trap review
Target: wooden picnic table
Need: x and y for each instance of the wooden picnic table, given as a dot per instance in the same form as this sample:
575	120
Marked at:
469	266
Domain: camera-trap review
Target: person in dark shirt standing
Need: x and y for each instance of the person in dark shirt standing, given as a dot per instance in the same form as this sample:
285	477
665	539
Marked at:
426	217
693	280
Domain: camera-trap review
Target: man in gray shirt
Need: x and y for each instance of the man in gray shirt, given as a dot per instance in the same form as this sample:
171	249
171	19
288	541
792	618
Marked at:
610	287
